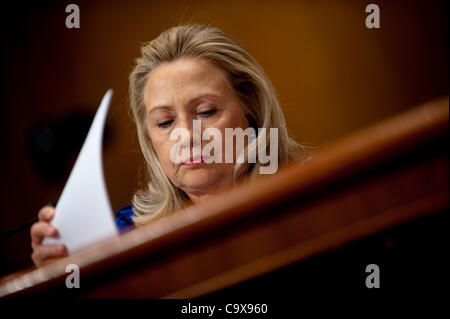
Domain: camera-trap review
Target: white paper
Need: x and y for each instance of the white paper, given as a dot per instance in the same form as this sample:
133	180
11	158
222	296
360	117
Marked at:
83	213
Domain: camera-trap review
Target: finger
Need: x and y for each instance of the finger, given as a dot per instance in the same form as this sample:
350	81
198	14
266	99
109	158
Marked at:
47	261
35	246
40	230
43	254
46	213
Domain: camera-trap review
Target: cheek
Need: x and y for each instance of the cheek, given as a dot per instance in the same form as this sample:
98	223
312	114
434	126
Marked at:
237	117
167	166
162	147
231	118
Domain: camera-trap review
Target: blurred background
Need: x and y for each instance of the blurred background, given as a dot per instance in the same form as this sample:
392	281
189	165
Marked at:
332	74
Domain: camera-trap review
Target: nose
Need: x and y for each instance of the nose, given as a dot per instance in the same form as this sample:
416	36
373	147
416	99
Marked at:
193	139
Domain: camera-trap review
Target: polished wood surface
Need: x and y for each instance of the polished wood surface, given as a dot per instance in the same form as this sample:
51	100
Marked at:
379	177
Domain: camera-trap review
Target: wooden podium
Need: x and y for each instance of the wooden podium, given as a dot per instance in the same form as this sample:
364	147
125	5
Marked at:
384	176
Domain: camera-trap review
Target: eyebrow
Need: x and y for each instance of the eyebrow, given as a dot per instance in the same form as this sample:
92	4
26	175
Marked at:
192	101
153	109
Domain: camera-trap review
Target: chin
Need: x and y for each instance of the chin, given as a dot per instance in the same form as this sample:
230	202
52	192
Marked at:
200	178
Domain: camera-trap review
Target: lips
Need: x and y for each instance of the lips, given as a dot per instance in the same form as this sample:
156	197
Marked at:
193	161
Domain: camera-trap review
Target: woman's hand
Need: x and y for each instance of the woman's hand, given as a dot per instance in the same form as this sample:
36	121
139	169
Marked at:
41	229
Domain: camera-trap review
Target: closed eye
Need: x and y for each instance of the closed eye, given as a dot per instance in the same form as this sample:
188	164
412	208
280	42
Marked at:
165	124
207	113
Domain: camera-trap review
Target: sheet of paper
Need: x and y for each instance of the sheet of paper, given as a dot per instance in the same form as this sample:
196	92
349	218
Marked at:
83	213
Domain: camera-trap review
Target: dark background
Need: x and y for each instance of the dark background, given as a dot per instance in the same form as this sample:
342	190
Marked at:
332	74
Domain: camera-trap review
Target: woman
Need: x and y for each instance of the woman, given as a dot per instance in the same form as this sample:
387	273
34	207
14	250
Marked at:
188	73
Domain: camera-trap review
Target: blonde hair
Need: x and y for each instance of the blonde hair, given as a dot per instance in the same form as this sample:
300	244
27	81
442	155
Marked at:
251	85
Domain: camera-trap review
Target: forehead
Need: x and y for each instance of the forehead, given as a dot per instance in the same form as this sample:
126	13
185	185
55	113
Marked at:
183	79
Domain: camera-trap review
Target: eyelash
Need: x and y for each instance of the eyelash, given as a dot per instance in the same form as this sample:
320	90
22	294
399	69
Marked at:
206	113
164	124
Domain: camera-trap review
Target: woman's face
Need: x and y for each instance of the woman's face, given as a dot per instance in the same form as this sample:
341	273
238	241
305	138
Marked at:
177	93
